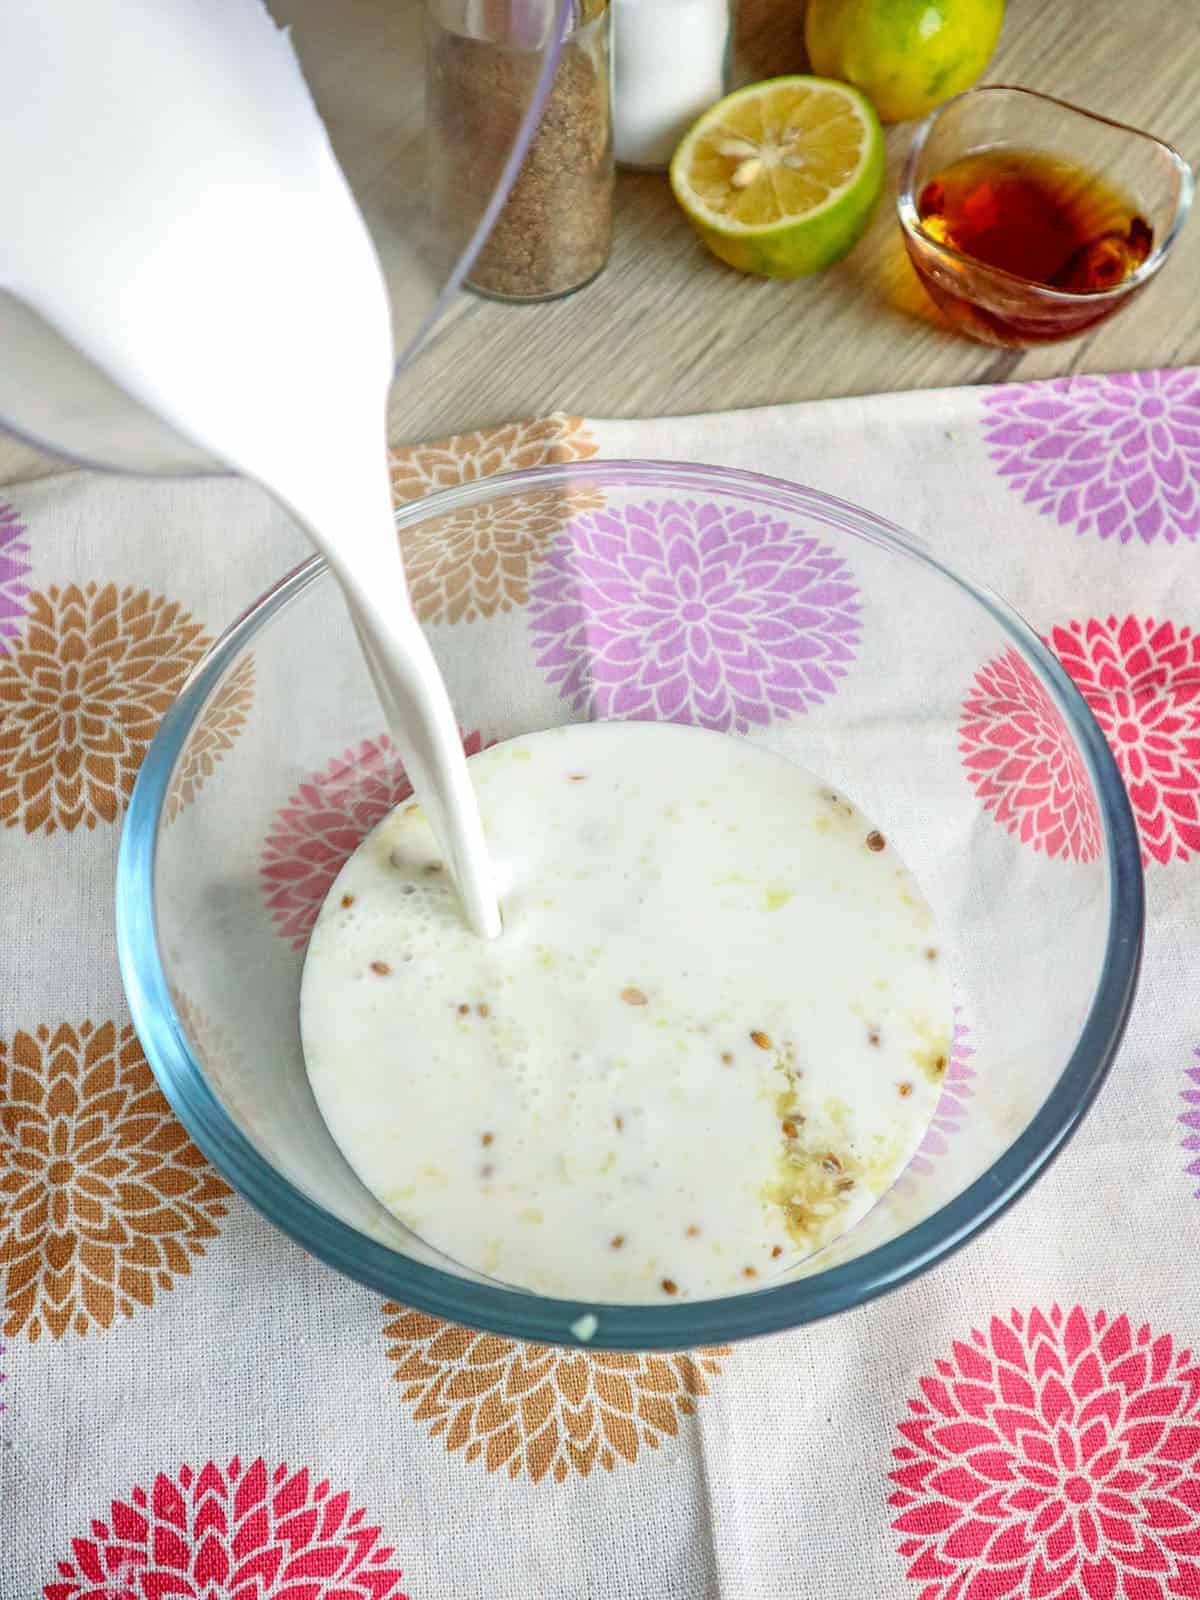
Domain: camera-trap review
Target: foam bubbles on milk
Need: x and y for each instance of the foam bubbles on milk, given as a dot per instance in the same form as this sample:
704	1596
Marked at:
704	1044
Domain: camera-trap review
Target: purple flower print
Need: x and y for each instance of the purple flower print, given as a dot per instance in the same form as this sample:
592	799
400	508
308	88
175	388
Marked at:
952	1107
12	569
1190	1119
1118	454
693	612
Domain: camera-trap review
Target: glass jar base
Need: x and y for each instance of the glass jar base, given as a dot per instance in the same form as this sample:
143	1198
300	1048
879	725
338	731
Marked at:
503	298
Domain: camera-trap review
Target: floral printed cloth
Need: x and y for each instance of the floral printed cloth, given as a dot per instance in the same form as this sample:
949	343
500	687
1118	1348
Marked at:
194	1408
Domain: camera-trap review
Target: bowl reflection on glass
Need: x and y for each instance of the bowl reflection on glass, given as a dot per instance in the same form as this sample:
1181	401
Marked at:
962	737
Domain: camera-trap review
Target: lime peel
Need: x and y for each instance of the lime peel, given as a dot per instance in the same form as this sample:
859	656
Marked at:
781	178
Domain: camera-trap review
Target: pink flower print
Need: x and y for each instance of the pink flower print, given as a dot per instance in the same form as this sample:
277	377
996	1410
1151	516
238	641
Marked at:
1190	1119
1053	1458
322	825
13	568
1141	680
228	1533
695	612
951	1108
1020	760
1120	454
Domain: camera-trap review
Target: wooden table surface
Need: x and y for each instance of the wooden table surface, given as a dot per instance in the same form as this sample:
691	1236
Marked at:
666	329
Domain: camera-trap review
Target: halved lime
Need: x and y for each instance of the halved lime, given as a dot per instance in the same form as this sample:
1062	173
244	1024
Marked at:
781	178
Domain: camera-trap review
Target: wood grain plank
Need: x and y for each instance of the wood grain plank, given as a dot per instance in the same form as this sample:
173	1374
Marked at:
666	329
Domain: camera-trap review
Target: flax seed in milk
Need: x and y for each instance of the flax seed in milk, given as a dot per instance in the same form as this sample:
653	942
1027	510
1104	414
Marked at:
710	1035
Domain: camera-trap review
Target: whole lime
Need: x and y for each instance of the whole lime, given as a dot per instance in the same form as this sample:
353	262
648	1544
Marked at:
906	56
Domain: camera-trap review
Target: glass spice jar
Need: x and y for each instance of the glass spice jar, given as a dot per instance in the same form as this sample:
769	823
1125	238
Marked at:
554	231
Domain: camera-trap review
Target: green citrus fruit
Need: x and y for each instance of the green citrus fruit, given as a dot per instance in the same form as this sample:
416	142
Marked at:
906	56
781	178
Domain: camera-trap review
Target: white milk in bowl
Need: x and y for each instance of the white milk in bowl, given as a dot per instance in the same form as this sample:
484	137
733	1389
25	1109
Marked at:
711	1034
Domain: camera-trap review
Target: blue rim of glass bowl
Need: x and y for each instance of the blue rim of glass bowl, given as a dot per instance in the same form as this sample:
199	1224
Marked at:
627	1327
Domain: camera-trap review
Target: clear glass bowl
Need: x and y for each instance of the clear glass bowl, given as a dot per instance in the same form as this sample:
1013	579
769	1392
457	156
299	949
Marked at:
1044	942
997	307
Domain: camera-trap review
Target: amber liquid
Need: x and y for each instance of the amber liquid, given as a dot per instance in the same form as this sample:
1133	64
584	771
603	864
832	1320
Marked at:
1040	219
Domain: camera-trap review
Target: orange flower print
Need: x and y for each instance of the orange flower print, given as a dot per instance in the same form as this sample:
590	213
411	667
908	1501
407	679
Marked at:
231	1077
224	718
103	1197
478	561
419	469
82	689
536	1409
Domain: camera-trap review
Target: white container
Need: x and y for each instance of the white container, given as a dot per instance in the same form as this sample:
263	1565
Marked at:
671	61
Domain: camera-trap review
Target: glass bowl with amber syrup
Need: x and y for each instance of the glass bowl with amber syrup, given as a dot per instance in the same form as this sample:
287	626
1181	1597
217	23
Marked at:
1029	220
